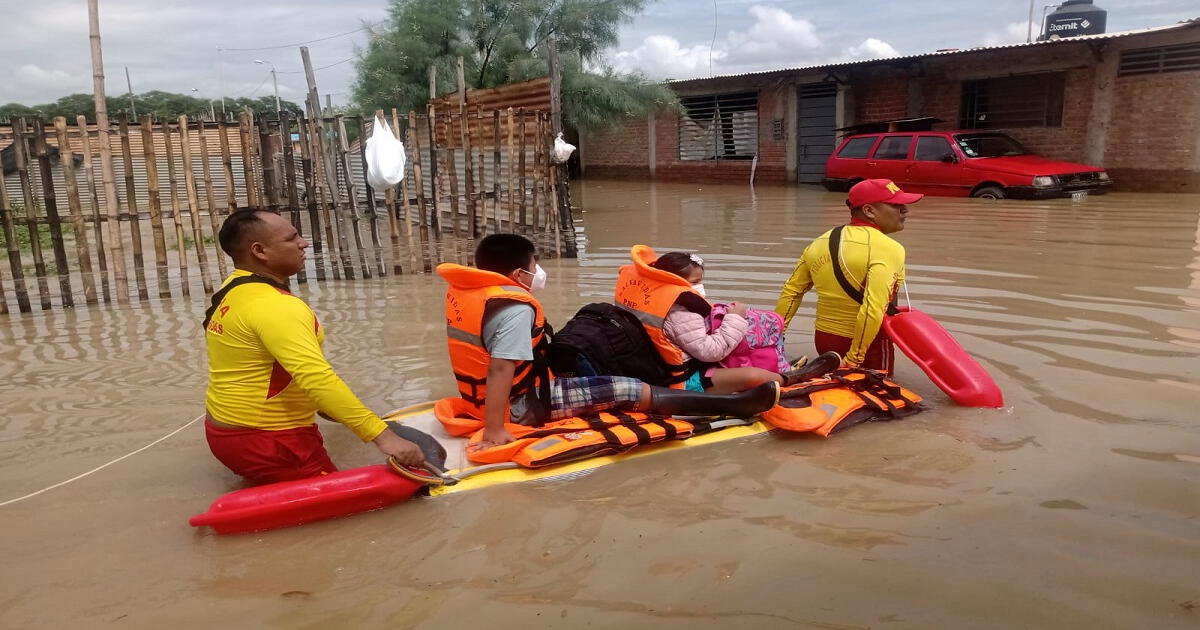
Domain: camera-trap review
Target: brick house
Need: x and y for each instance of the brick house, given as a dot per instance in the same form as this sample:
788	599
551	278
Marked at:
1128	101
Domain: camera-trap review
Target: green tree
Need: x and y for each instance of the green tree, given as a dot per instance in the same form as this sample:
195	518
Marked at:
161	105
504	41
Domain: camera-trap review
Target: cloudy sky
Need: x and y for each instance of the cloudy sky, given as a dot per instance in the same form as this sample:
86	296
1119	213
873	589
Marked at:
173	46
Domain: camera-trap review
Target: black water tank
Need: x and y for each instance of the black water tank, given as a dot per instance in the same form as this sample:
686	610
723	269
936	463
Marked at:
1074	18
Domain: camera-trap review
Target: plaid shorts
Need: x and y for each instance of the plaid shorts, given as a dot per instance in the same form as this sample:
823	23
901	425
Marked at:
592	394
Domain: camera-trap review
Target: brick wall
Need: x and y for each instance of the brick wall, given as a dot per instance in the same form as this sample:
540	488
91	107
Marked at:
623	151
1152	145
880	95
620	152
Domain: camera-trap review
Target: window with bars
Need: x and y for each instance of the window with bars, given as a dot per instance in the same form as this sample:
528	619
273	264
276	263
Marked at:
1032	100
719	127
1179	58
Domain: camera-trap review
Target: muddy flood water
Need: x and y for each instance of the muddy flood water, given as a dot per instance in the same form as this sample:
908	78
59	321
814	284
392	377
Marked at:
1078	506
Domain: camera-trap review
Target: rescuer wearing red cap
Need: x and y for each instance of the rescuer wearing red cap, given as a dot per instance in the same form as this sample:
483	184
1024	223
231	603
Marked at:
850	308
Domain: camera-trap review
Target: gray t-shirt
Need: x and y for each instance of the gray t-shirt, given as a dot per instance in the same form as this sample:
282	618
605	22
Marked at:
508	334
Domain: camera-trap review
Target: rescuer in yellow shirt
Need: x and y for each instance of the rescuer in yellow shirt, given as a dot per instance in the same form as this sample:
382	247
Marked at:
268	375
850	309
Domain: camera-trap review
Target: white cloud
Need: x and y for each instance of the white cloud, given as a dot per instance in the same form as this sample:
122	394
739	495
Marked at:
1013	33
774	39
28	78
662	57
870	48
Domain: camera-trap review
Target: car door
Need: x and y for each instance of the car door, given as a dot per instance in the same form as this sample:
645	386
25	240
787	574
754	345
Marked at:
890	159
935	168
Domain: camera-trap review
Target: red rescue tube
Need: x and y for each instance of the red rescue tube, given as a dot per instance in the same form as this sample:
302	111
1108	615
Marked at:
289	503
943	360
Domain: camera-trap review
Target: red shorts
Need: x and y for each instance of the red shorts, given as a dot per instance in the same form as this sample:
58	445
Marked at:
880	356
270	456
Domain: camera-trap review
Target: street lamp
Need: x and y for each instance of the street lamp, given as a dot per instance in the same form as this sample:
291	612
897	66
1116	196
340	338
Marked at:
212	113
274	83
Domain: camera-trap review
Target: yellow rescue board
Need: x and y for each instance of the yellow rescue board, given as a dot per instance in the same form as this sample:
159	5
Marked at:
480	476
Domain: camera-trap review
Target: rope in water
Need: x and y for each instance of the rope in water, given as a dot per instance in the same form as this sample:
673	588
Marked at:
403	411
102	466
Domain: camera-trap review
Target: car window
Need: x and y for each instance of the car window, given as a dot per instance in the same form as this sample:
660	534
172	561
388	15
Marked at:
857	147
893	148
989	145
932	149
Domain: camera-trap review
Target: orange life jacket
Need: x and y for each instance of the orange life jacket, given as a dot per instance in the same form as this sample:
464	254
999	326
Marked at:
649	294
840	400
562	441
473	295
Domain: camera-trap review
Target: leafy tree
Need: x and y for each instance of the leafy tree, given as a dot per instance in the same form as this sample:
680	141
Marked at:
504	41
162	105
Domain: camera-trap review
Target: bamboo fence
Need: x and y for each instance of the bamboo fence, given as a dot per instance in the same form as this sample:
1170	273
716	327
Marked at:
470	172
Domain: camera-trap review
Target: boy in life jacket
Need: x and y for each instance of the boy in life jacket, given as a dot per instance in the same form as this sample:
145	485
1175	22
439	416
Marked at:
856	269
498	335
700	350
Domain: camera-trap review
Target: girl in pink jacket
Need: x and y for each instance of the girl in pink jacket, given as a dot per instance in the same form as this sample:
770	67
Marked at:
690	332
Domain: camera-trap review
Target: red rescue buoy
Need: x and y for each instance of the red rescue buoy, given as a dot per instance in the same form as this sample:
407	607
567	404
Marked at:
289	503
943	360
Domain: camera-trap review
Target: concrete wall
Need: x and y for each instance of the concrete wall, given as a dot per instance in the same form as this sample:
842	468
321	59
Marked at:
1144	129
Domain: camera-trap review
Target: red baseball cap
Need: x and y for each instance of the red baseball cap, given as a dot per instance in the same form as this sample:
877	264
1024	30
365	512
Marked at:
879	191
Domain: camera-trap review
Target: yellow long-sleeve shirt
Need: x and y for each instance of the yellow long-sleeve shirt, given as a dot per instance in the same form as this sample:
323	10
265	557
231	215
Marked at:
266	368
871	260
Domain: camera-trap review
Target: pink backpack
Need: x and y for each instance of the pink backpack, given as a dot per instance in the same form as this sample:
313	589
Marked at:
763	345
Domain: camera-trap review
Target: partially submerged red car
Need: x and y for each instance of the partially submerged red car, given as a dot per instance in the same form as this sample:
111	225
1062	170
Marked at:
959	164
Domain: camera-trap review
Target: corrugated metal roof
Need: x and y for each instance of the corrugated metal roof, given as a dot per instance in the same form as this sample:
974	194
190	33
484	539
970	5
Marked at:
955	51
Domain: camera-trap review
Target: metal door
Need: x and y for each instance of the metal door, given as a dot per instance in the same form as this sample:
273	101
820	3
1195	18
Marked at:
817	120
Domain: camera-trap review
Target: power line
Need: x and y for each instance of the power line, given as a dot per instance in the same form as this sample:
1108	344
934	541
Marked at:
264	82
336	63
311	41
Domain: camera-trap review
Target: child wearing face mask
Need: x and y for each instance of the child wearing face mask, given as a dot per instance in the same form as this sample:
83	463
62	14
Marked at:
689	331
498	336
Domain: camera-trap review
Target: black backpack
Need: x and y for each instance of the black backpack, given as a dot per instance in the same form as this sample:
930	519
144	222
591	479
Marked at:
605	340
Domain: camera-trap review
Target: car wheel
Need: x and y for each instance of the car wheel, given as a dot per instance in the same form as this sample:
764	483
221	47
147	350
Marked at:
989	192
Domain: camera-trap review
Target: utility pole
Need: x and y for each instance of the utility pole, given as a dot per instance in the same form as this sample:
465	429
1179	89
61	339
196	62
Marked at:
221	79
274	83
116	249
129	84
1029	34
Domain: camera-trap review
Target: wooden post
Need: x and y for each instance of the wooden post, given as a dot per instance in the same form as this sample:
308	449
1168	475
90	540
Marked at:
97	228
451	167
512	183
405	201
435	215
152	194
189	183
324	158
82	247
247	144
481	169
289	180
52	218
21	153
227	166
537	171
343	153
116	250
414	136
468	172
210	199
522	220
270	175
373	217
496	171
176	211
131	210
15	265
310	198
562	194
337	251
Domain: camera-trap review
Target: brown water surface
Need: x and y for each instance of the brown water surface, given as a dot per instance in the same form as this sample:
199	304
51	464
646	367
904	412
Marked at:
1077	506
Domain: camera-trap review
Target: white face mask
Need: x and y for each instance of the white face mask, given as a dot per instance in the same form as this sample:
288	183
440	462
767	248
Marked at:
699	288
539	278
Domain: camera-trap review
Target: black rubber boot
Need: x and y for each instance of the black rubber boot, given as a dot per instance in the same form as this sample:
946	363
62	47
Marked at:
680	402
819	366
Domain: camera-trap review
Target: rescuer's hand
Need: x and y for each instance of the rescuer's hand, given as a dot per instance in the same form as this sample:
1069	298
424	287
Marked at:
405	452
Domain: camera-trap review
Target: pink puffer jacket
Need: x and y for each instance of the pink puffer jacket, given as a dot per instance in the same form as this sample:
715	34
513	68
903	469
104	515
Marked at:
689	331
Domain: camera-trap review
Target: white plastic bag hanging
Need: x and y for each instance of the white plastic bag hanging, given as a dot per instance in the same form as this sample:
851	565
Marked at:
386	160
562	150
